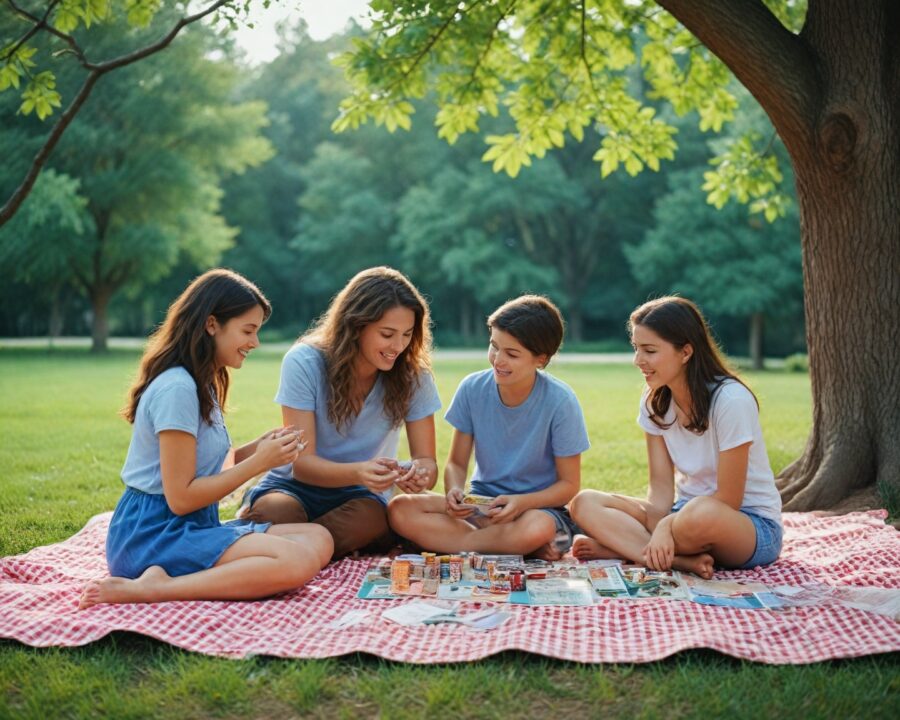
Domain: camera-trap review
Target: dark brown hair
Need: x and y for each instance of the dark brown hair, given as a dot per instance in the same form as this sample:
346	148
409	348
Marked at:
534	321
182	339
363	301
679	321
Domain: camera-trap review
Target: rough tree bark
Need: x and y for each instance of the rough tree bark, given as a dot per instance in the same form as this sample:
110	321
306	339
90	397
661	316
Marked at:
833	94
100	324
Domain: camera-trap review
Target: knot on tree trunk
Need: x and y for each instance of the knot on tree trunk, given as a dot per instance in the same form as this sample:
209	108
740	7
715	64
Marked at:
838	137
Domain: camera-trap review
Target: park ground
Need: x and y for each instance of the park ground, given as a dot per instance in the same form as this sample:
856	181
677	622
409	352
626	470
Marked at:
63	446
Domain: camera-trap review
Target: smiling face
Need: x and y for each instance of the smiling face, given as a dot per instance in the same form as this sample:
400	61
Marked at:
383	341
514	364
661	362
235	338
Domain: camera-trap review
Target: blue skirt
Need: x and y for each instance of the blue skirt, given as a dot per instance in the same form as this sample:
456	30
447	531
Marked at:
145	532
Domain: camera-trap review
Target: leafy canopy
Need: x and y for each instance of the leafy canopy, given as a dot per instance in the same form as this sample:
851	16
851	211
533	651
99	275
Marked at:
557	69
23	53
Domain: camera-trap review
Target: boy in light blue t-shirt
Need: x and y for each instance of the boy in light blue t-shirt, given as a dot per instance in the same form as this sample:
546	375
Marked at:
527	432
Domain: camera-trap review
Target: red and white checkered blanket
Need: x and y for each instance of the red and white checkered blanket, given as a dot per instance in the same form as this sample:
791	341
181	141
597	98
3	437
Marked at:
39	594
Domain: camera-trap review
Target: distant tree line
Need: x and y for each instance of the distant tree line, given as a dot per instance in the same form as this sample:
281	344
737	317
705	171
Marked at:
192	159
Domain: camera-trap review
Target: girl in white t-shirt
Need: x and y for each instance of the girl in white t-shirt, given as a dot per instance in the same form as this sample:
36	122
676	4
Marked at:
705	450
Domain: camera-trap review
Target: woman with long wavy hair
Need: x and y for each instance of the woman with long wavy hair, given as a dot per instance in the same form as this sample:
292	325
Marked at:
349	384
165	540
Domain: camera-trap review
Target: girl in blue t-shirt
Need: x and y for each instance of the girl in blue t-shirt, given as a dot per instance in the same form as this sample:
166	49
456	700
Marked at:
165	541
712	498
527	432
349	384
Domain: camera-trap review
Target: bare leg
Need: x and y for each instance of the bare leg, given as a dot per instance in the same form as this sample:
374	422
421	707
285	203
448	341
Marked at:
356	524
353	525
275	507
255	566
424	520
707	525
617	526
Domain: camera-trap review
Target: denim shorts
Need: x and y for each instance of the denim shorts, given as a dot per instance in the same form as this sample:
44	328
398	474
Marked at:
316	501
566	529
769	535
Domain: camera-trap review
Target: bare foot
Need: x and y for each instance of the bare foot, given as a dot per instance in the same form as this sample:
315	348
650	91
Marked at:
548	552
123	590
586	548
701	564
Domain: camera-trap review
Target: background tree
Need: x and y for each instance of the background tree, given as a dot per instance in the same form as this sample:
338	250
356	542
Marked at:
730	264
301	88
829	79
149	154
55	214
35	34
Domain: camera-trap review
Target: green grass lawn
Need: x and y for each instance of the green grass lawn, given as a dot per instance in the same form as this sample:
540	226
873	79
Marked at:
63	446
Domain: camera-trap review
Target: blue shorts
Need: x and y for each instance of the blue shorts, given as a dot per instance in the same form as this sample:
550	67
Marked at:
566	529
769	535
316	501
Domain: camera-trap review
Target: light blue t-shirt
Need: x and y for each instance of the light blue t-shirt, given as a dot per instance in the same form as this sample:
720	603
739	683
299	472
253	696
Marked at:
516	447
170	402
304	386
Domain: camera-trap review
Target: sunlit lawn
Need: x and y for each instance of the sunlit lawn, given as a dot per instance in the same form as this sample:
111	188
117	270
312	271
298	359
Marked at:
62	449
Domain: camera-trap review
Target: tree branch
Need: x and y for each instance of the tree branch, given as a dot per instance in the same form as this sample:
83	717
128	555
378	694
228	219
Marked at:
96	72
769	60
39	24
141	53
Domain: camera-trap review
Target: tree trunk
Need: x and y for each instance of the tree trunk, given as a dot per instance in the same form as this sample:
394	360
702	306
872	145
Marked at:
756	341
833	95
575	323
100	321
848	188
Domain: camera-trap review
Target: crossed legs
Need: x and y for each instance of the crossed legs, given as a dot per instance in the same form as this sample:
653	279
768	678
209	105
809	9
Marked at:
355	524
706	531
424	520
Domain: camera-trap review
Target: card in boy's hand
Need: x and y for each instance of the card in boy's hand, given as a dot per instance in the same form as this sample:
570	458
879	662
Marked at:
481	503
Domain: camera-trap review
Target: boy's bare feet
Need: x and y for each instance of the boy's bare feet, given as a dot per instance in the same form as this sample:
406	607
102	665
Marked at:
122	590
701	564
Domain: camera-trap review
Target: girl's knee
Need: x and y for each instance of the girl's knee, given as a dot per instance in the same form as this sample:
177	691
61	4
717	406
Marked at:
400	507
403	510
322	544
698	520
277	508
587	502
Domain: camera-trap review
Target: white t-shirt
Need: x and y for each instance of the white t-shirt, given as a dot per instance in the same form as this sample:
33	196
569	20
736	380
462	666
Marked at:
734	421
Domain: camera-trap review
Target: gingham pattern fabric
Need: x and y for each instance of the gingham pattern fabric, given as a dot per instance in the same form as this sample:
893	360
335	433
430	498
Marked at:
39	594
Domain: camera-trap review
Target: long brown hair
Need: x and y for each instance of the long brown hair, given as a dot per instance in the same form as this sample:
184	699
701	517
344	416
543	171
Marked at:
182	339
679	321
364	300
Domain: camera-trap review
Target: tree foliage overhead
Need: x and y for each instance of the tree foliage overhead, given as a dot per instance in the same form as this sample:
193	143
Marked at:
559	70
40	39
